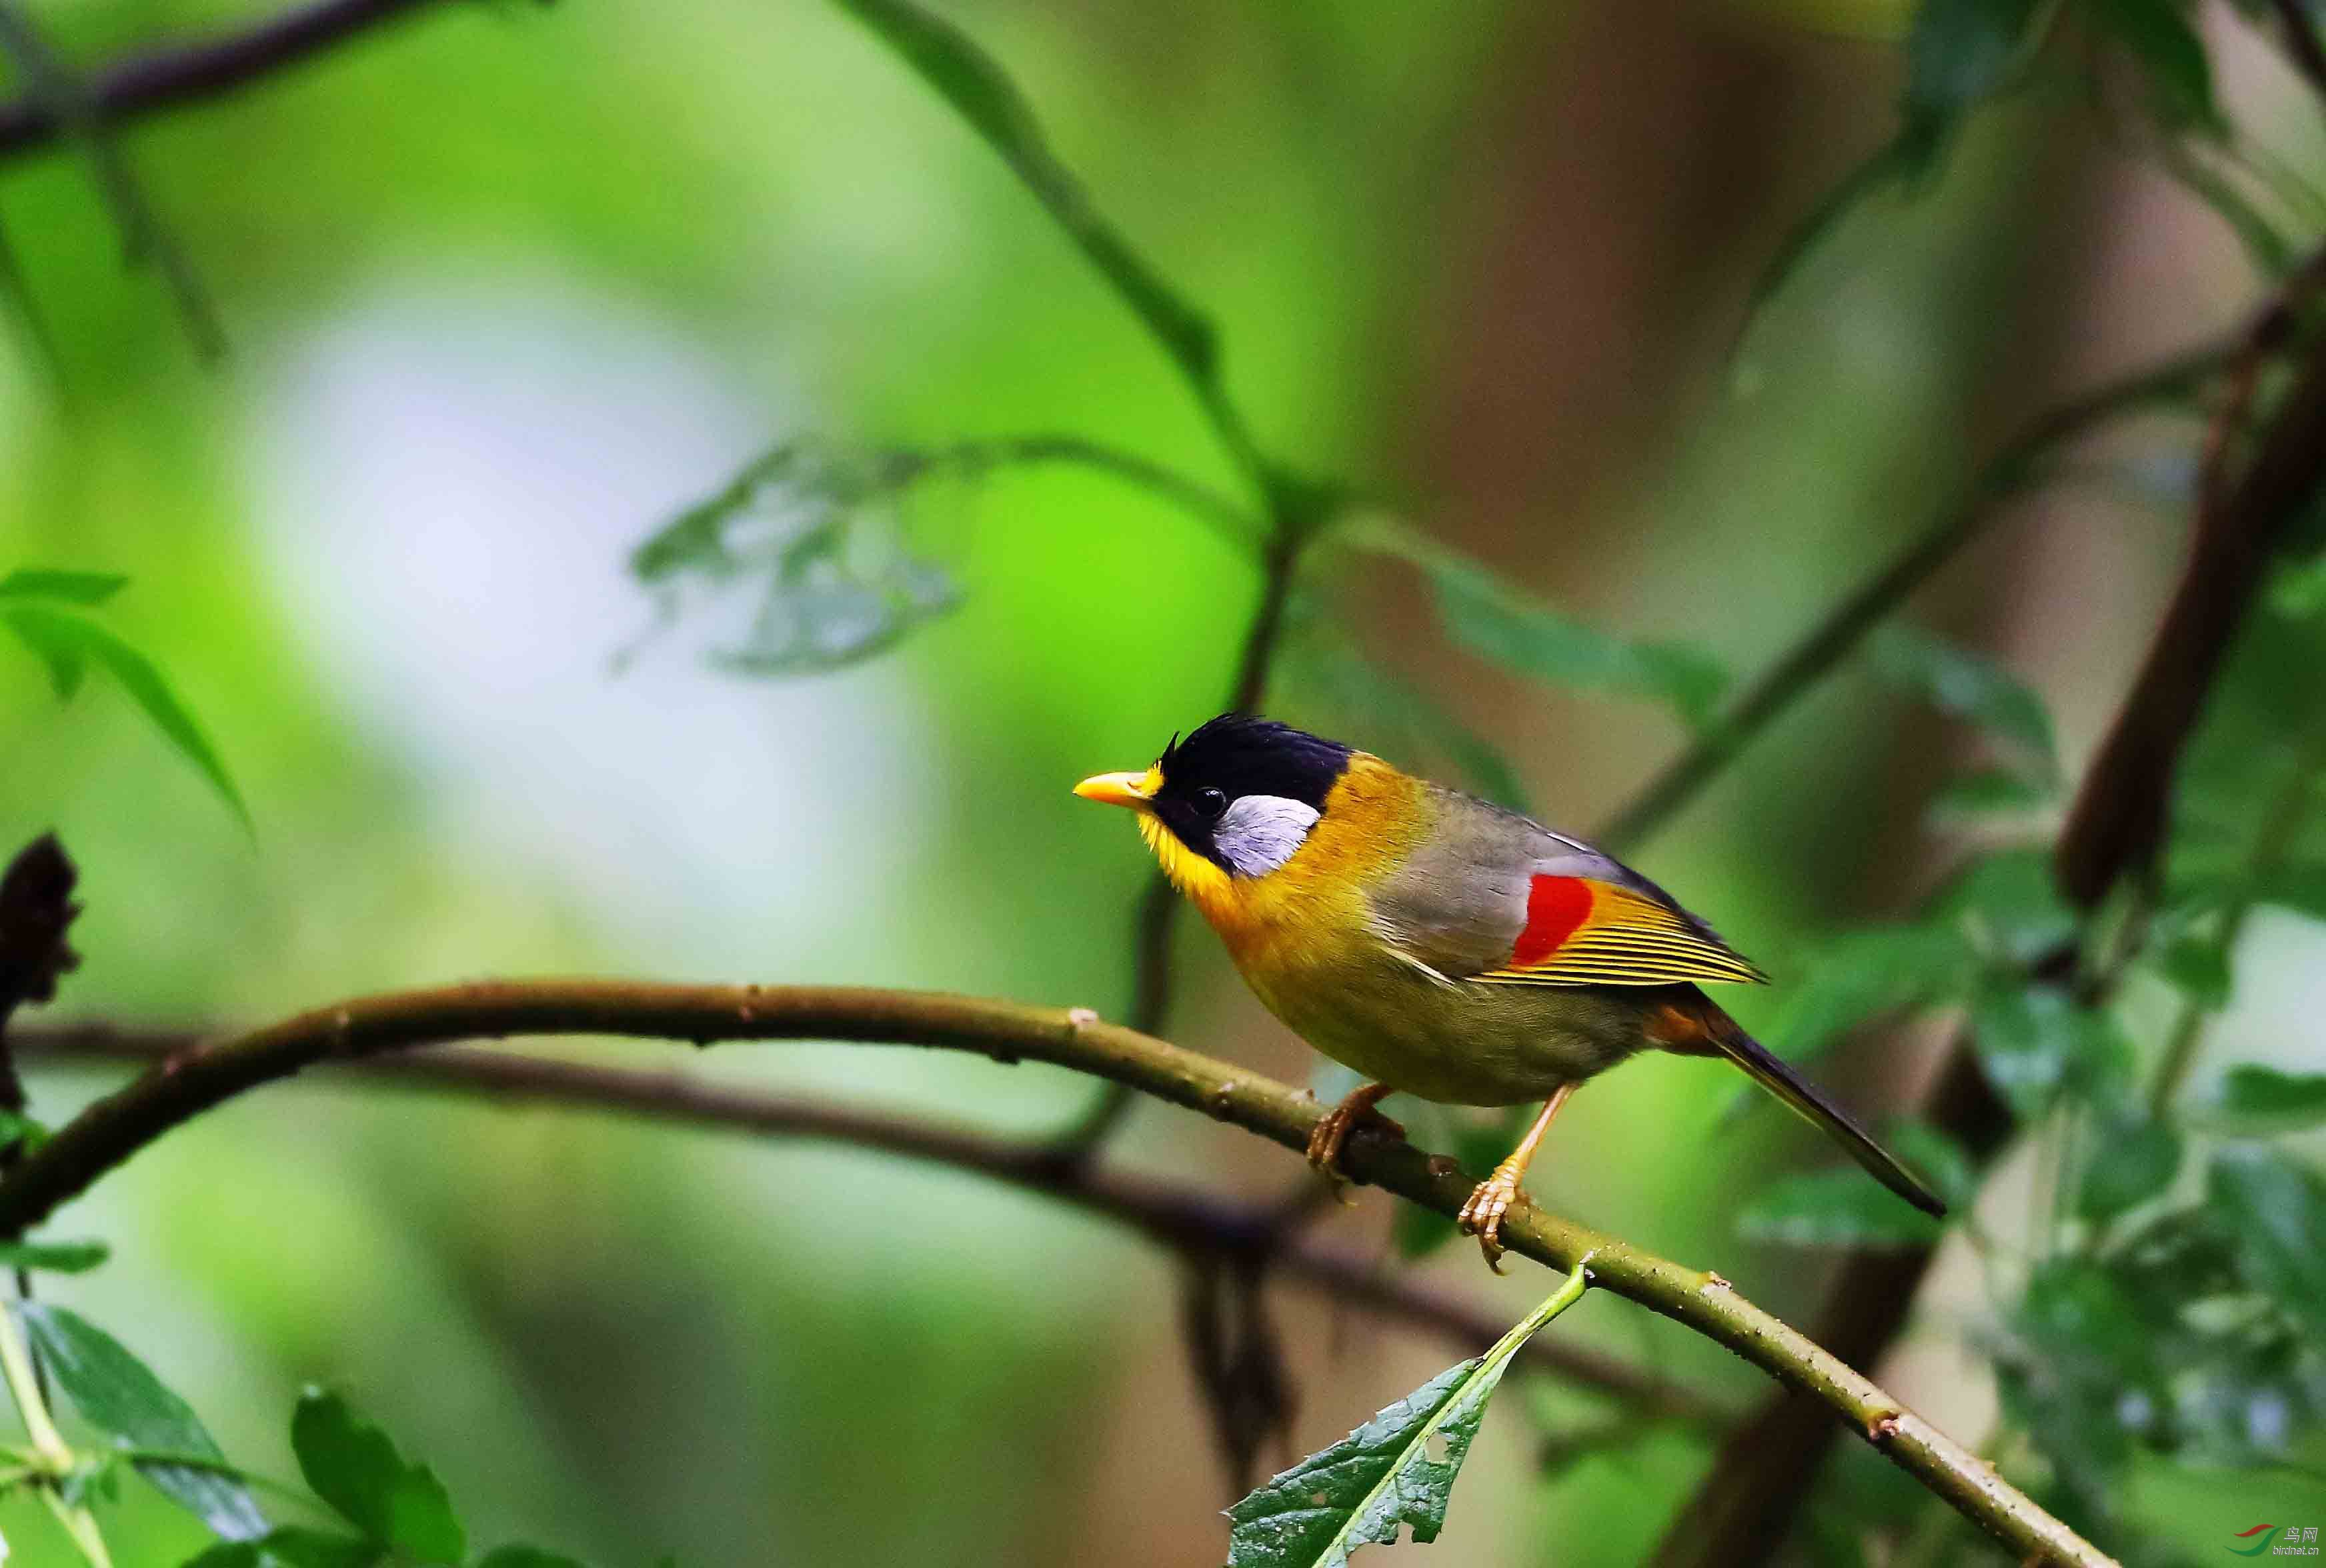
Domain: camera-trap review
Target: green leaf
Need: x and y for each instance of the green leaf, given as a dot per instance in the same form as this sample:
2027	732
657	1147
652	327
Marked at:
2008	904
1495	620
1984	793
2033	1041
116	1393
81	588
2200	967
2252	1092
2277	1209
1868	974
2160	34
2133	1159
56	1257
1835	1208
1376	703
981	93
69	642
292	1547
1969	687
1382	1477
519	1556
15	1127
353	1466
1939	1157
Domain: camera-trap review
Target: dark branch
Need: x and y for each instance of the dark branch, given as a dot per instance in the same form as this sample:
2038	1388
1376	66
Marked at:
1178	1215
36	910
171	78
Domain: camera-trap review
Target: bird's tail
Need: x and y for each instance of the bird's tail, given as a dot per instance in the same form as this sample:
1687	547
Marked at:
1773	1073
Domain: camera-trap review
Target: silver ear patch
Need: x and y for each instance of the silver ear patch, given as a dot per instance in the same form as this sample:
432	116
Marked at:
1259	833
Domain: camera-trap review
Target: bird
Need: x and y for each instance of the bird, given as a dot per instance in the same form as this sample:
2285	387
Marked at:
1440	945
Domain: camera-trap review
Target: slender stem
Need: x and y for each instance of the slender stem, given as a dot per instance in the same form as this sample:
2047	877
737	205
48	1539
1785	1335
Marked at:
171	78
1959	522
17	1365
114	1127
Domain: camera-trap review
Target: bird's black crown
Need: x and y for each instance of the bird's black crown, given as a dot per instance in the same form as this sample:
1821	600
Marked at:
1234	755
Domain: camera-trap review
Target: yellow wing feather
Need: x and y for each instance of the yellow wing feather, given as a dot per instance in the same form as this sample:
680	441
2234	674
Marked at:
1629	939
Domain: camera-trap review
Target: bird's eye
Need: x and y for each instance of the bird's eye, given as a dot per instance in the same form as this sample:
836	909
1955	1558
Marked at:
1211	803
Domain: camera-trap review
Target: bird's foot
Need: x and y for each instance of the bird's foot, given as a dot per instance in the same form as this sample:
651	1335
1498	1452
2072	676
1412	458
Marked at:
1482	1216
1327	1138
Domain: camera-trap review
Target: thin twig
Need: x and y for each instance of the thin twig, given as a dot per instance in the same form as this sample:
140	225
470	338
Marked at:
1178	1215
114	1127
1962	520
171	78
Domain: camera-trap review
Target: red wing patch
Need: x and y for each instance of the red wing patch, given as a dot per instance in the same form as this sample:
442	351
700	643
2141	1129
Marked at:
1556	905
1582	932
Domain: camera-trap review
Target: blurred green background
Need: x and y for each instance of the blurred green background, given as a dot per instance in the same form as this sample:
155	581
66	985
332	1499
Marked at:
508	286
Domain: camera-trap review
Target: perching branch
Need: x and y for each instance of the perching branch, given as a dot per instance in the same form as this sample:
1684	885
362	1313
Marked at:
114	1128
1962	519
1178	1215
168	77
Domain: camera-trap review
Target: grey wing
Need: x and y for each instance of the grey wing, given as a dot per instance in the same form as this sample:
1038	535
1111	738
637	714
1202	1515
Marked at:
1459	904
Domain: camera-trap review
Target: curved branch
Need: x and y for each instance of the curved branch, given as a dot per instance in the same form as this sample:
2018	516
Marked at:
1178	1215
1963	519
112	1129
189	73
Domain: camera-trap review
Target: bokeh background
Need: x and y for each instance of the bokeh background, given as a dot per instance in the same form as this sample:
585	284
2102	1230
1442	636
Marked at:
508	286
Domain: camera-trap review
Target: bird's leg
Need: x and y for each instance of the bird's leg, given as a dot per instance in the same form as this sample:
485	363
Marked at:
1324	1142
1482	1216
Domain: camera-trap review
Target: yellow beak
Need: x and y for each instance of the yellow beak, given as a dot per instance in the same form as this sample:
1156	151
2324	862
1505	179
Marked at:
1118	789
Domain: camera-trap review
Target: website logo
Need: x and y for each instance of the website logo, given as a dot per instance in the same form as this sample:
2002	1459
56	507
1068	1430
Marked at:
2293	1541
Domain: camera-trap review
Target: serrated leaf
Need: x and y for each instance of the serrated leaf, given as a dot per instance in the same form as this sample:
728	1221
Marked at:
117	1394
56	1257
2161	35
2277	1209
1835	1208
2252	1092
70	642
520	1557
1969	687
2133	1159
1382	1477
352	1465
292	1547
981	92
81	587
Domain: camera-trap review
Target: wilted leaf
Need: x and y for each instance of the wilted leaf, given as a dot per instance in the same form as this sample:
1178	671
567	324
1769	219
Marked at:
2133	1159
1382	1477
2254	1093
2277	1209
981	93
353	1466
56	1257
1835	1208
81	587
69	642
116	1393
1971	688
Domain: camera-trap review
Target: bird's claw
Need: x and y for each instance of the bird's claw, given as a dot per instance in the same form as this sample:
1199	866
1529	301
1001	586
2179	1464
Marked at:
1328	1137
1482	1216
